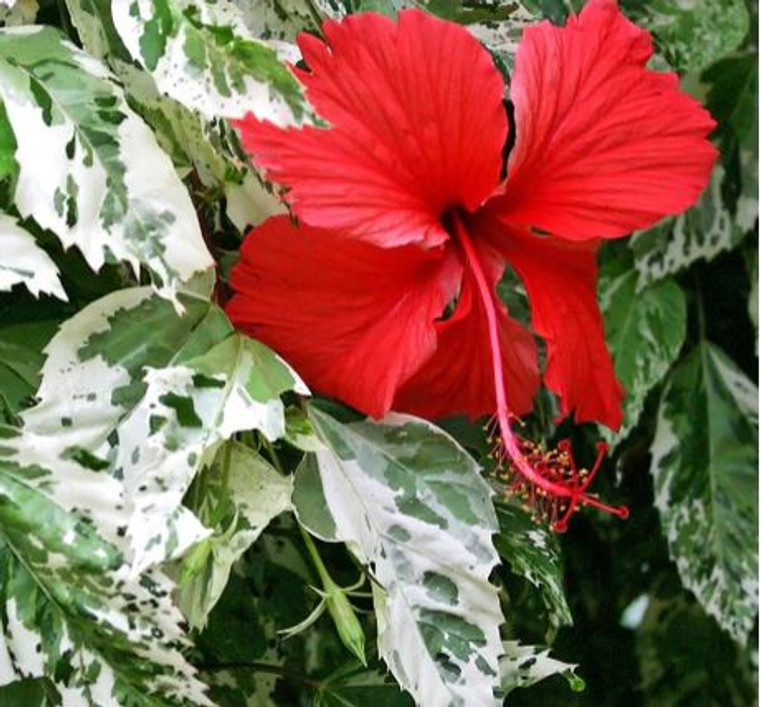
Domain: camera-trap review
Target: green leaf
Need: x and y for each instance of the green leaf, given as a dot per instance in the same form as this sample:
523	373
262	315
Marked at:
104	185
645	332
21	359
685	659
752	301
732	97
522	666
533	553
352	686
410	503
702	233
24	262
704	463
693	34
203	55
247	493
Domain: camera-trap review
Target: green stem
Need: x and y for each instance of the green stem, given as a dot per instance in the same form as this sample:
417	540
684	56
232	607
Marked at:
324	575
273	456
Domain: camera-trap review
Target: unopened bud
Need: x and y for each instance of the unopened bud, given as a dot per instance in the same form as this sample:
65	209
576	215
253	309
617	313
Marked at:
346	621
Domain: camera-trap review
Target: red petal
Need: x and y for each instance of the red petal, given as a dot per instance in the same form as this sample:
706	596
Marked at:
417	127
560	278
355	320
603	145
459	376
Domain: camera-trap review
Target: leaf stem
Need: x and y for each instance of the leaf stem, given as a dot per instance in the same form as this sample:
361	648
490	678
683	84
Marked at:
324	575
273	456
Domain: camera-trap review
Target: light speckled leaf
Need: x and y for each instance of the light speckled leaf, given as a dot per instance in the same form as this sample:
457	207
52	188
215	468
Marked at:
242	493
533	553
210	147
498	24
703	232
645	331
522	666
89	168
693	34
203	55
410	503
24	262
69	609
136	389
280	20
705	466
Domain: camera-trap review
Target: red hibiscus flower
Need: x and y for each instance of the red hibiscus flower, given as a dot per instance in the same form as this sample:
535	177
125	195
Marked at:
383	294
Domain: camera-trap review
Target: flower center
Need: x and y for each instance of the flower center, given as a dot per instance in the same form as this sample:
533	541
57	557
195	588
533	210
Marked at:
550	481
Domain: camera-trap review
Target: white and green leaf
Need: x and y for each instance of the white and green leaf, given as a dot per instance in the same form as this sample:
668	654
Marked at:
69	609
89	169
24	262
131	387
522	666
705	468
241	494
696	33
702	233
533	553
204	56
411	504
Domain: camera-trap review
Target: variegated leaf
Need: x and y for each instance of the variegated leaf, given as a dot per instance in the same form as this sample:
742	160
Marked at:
239	495
410	503
187	410
69	609
280	21
522	666
533	553
132	387
702	233
705	467
89	168
210	147
645	332
24	262
696	33
203	55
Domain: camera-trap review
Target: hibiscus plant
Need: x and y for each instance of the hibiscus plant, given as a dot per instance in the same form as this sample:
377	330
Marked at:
378	352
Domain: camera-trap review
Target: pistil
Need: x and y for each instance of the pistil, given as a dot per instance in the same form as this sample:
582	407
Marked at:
550	480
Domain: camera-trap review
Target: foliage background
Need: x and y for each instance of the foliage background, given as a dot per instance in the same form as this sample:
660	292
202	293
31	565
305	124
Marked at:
658	610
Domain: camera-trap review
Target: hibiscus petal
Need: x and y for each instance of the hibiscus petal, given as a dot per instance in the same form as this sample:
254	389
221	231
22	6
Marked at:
603	145
458	378
560	277
417	121
356	321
